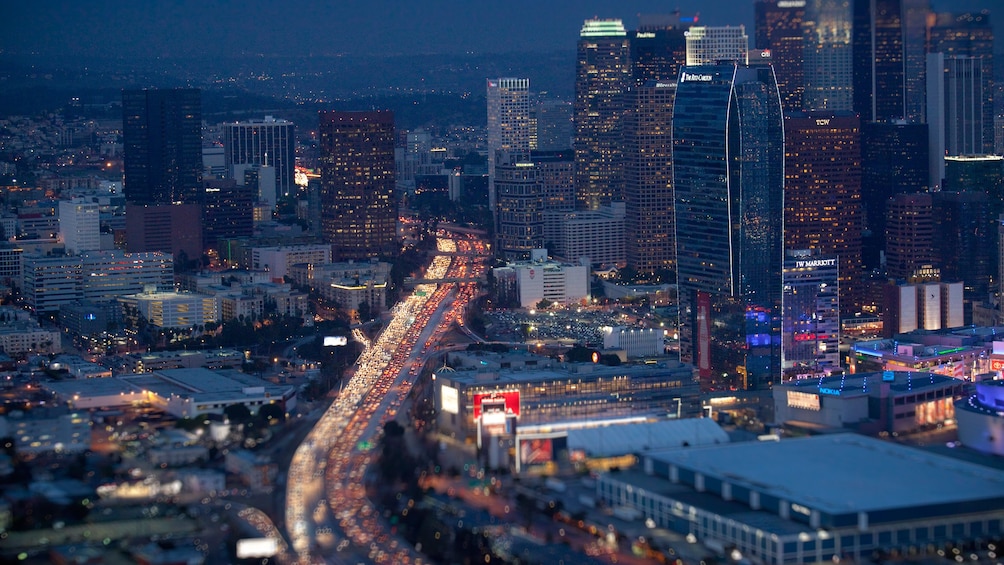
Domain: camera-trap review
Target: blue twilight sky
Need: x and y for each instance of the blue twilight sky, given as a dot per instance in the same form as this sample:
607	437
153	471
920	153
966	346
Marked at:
167	28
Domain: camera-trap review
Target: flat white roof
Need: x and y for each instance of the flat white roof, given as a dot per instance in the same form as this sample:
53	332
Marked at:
643	437
843	473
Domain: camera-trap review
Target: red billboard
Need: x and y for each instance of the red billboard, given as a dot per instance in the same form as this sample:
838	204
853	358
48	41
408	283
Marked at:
505	402
536	451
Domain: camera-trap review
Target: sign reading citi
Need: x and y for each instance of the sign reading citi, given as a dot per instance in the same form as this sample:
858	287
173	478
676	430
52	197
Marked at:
691	77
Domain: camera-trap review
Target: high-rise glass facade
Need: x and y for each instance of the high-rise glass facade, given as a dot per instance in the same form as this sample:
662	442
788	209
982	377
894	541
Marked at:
878	60
358	205
779	29
603	71
268	142
810	327
728	176
828	64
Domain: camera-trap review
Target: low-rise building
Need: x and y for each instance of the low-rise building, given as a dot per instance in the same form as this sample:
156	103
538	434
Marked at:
178	310
871	403
47	430
529	282
22	338
980	418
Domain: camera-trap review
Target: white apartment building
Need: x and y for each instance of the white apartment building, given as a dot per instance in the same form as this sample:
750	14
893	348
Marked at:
79	225
177	310
277	260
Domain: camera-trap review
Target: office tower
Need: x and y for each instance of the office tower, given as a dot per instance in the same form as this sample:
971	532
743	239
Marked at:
603	71
709	45
658	48
593	237
909	235
648	177
79	225
828	64
553	120
979	173
964	250
269	143
810	323
162	144
779	29
915	15
519	207
508	123
878	60
358	206
227	212
728	177
556	173
822	193
970	34
960	121
893	159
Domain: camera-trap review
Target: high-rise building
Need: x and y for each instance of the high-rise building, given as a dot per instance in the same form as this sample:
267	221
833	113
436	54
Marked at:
227	212
977	173
509	124
893	159
519	206
822	193
709	45
80	225
828	65
878	60
810	323
779	29
648	177
270	143
909	235
162	143
556	173
959	118
970	34
658	48
728	163
358	205
603	72
964	246
553	119
915	15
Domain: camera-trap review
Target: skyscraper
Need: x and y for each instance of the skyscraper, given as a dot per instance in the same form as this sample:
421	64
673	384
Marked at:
959	119
269	142
779	29
970	34
810	326
603	71
553	120
358	205
162	143
728	162
909	235
658	48
519	208
828	63
708	45
964	247
508	123
648	177
915	14
893	159
878	60
822	193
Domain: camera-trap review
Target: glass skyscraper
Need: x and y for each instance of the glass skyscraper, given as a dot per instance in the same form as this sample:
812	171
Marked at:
728	144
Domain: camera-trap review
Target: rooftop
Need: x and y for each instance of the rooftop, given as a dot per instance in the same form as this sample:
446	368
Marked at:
844	473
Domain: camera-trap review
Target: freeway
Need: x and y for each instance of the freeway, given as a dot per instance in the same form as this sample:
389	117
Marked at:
328	517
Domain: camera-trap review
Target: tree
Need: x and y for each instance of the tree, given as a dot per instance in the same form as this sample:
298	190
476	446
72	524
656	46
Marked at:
237	413
365	311
271	412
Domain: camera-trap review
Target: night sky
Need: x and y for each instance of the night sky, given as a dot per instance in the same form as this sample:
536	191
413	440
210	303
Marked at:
173	28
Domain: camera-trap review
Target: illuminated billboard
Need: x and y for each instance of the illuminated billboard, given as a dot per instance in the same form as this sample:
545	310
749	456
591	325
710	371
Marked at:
536	451
506	402
254	548
450	400
335	340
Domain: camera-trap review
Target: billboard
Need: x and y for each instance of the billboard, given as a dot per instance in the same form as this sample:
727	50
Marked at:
335	340
253	548
450	400
506	402
536	451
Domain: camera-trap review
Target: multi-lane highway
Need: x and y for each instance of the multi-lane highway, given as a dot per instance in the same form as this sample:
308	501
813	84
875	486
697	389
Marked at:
328	516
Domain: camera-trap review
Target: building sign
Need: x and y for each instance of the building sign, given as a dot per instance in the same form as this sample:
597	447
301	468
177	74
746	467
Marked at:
815	263
505	401
450	400
803	400
691	77
830	391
